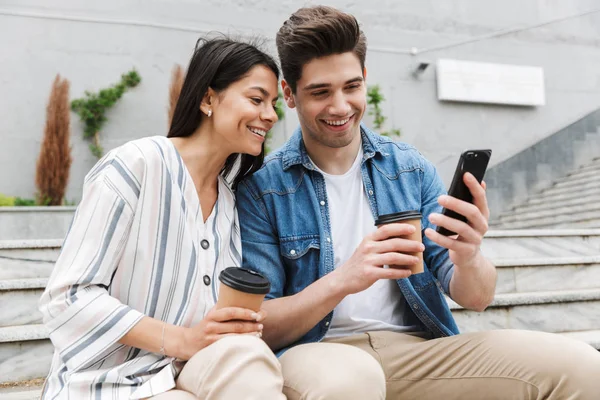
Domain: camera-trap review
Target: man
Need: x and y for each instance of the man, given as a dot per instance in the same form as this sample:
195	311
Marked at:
344	326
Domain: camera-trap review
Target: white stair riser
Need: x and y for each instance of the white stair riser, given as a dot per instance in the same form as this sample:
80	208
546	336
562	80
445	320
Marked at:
21	361
25	224
540	247
576	181
592	217
585	224
548	278
581	224
564	190
557	317
589	171
579	201
20	307
541	199
560	211
27	263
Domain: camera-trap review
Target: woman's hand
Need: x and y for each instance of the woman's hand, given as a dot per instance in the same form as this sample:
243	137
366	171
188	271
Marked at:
218	324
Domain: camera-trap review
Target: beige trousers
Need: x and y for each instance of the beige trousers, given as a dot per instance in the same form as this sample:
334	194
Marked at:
235	367
505	364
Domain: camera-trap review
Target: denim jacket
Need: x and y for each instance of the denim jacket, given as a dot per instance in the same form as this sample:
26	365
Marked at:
286	232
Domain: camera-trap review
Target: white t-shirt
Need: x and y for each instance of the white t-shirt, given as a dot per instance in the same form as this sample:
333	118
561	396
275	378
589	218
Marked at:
380	307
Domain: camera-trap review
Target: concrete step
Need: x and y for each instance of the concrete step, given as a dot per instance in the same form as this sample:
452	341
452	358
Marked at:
19	301
35	222
25	353
25	259
578	179
21	390
552	206
541	243
592	171
592	164
553	213
556	311
590	224
553	190
589	219
540	198
525	275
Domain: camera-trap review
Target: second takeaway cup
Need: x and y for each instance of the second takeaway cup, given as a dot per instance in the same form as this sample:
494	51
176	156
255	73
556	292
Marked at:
241	287
406	217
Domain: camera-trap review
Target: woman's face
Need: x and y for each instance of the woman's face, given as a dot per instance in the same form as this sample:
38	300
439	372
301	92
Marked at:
244	112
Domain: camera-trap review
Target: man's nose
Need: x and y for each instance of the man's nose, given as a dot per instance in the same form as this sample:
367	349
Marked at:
339	106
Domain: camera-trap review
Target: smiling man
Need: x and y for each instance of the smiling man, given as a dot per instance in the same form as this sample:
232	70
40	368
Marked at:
346	327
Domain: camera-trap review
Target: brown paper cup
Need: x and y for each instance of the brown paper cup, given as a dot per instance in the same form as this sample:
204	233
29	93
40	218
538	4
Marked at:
241	287
406	217
229	297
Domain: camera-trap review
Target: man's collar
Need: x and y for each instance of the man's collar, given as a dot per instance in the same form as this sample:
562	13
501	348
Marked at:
294	152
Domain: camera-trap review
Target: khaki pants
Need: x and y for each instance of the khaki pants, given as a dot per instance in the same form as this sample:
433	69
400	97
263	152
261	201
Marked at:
505	364
235	367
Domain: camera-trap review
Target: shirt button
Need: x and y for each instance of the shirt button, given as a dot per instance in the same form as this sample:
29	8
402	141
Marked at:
322	203
206	280
327	323
329	239
205	245
370	192
292	252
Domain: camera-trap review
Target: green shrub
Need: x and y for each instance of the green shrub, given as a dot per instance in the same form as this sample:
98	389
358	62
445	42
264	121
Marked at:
6	201
92	108
374	100
24	202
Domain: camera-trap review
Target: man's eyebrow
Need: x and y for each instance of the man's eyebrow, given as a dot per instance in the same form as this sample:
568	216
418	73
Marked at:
313	86
354	80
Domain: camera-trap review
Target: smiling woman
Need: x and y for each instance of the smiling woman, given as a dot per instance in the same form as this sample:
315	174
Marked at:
130	303
235	82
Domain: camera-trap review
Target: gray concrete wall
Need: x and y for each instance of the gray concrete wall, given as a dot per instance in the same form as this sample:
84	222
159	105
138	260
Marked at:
93	43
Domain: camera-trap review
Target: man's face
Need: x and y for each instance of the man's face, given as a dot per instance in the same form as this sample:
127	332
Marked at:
330	99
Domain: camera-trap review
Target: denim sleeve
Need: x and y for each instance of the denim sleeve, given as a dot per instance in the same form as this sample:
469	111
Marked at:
260	243
437	257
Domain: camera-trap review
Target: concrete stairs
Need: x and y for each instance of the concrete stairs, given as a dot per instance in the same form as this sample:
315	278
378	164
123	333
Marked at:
547	280
570	202
524	175
25	351
35	222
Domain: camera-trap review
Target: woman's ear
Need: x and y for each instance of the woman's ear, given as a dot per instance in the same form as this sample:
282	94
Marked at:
288	96
208	102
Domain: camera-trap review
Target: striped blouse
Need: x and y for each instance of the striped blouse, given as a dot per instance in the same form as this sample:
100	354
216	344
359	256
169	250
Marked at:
138	245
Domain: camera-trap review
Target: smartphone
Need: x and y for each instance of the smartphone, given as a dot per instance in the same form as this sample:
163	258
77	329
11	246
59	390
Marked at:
475	162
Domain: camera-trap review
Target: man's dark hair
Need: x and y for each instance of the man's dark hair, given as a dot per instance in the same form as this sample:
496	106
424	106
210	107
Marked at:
217	63
314	32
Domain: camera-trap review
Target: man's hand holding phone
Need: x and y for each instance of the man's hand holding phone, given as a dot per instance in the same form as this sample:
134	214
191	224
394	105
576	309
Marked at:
464	247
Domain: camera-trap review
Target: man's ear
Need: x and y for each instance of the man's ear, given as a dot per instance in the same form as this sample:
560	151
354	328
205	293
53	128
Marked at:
365	73
288	96
208	101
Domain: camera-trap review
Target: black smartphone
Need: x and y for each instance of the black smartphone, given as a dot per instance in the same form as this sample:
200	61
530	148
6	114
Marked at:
475	162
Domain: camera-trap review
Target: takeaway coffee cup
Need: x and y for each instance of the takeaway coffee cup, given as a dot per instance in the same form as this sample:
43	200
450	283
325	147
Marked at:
406	217
241	287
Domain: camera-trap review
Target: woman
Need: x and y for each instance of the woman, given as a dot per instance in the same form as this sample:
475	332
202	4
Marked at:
130	298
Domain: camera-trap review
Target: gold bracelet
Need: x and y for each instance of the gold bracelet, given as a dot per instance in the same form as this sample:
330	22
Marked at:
162	345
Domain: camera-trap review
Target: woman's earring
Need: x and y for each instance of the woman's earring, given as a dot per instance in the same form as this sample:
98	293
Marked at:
209	113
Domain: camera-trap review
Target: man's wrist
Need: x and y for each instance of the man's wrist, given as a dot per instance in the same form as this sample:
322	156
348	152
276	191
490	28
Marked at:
337	284
476	261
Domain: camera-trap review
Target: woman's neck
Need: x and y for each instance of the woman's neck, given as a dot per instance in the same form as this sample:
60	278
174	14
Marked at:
203	157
